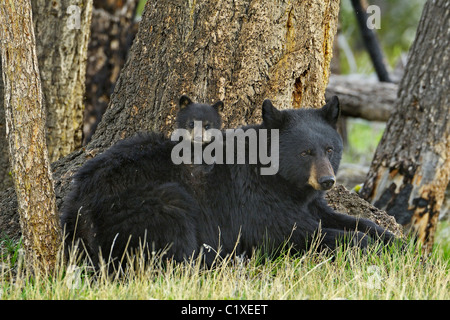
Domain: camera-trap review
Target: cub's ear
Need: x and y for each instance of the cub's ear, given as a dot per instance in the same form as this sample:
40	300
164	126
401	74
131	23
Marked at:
218	106
272	117
331	111
184	101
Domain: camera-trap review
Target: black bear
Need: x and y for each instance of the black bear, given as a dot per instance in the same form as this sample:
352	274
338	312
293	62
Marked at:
208	115
198	120
133	193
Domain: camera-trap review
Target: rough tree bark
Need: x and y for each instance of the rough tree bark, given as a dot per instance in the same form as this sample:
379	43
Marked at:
5	176
62	29
411	166
239	51
62	32
25	129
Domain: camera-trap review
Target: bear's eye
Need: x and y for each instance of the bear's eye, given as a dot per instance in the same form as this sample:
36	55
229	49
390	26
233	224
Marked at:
330	151
305	153
191	124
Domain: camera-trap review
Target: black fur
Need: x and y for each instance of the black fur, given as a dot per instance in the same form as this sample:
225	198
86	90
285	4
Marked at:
134	189
189	112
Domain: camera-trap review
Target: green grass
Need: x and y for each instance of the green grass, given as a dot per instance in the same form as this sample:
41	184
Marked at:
343	274
363	138
442	239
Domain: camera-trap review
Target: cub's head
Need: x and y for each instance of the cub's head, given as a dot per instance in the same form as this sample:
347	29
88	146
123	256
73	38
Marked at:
191	113
310	148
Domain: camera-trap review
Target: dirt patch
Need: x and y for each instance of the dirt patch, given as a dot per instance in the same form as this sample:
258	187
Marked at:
341	200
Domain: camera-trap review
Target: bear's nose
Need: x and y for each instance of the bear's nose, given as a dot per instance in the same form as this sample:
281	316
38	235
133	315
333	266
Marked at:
327	182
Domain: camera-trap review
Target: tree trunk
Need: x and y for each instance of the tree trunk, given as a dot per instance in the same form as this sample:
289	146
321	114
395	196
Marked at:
25	129
238	51
370	42
411	166
61	44
5	172
62	30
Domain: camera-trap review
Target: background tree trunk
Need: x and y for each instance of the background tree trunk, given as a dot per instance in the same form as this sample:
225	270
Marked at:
370	42
238	51
112	32
25	128
411	166
62	29
61	44
5	176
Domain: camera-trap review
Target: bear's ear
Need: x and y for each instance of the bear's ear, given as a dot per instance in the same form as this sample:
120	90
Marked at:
184	101
272	117
218	106
331	111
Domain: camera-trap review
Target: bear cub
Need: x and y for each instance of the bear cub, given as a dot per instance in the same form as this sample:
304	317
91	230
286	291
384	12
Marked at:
191	113
197	119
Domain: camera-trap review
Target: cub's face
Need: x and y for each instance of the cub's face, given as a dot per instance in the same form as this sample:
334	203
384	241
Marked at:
200	117
310	148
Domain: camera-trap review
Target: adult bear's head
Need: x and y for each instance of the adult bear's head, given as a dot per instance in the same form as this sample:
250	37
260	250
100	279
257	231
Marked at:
310	148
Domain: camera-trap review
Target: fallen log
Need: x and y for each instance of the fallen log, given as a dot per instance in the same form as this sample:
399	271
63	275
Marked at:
362	97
